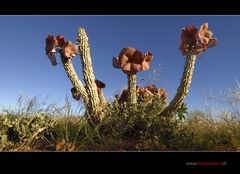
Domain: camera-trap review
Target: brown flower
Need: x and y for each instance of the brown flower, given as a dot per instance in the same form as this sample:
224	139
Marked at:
131	60
115	63
76	94
51	43
140	90
61	41
69	49
157	91
50	48
188	38
162	93
152	88
100	85
195	40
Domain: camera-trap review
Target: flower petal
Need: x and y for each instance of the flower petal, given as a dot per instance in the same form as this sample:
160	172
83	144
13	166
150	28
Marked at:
100	85
51	43
140	90
52	58
126	67
188	38
69	49
208	34
204	40
212	42
145	66
136	67
152	88
148	57
76	94
61	41
203	27
115	62
162	93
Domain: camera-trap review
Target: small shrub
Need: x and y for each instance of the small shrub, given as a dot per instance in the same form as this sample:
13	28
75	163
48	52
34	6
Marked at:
23	131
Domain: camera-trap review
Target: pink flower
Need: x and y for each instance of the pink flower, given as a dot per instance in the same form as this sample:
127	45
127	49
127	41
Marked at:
50	48
131	60
61	40
152	88
205	37
162	93
188	39
143	90
69	49
204	34
157	91
140	90
196	41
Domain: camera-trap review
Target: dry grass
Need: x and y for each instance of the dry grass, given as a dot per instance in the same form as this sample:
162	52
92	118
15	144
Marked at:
46	127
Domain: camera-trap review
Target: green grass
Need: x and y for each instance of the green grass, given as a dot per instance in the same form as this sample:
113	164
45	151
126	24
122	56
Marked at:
196	133
34	126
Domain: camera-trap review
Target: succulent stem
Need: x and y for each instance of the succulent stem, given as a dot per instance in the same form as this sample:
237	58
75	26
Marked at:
132	91
102	99
72	75
88	75
183	89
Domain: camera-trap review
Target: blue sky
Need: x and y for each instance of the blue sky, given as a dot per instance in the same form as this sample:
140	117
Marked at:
25	69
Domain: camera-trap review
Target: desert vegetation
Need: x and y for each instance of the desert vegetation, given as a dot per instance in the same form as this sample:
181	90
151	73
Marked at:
141	118
36	126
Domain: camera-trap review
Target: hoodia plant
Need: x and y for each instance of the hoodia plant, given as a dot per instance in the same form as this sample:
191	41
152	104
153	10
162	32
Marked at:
67	51
91	93
131	61
192	43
